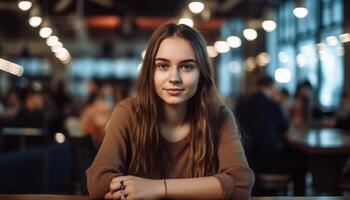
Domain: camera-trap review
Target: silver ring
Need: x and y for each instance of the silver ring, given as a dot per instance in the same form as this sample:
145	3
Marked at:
122	195
122	192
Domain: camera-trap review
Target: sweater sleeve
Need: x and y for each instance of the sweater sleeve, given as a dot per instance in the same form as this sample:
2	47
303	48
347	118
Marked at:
111	159
234	174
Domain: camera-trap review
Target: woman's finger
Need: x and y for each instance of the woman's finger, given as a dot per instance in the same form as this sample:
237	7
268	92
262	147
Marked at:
118	195
108	195
117	182
114	186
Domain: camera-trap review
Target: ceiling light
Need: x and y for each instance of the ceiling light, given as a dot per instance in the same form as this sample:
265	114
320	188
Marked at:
301	60
143	54
340	51
24	5
320	46
212	52
45	32
234	41
250	34
221	46
283	75
57	46
250	64
35	21
196	7
332	40
345	37
59	137
269	25
300	12
34	17
283	57
66	61
263	59
186	21
52	40
139	67
61	53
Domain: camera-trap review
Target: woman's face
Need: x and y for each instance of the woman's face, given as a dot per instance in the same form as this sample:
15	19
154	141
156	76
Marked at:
177	72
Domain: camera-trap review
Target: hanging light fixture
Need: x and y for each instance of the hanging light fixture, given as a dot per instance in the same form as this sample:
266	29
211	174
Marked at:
234	41
268	23
250	34
283	75
186	21
212	52
196	7
34	17
221	46
52	40
24	5
345	37
45	31
300	11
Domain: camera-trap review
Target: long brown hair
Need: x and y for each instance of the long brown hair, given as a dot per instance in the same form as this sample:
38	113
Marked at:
202	113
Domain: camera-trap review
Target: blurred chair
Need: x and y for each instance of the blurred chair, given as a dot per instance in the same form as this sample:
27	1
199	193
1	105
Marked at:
84	149
343	183
268	184
41	170
343	186
22	133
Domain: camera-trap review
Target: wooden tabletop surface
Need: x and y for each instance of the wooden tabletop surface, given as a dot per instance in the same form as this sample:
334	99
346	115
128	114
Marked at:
320	140
80	197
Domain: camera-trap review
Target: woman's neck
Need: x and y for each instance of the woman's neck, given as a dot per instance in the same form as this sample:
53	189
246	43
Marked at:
174	127
174	115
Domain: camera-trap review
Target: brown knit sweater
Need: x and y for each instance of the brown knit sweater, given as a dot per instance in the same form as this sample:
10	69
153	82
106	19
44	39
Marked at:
234	174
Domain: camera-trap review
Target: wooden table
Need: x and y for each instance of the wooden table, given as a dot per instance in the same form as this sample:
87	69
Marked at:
23	133
20	132
42	197
326	149
79	197
320	140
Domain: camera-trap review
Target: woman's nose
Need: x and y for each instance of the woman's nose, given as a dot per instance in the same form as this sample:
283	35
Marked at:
174	76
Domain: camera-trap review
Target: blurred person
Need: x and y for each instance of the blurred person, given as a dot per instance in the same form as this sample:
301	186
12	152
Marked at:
265	125
31	113
94	116
108	94
62	104
301	112
284	101
12	104
341	118
92	86
2	109
121	91
175	139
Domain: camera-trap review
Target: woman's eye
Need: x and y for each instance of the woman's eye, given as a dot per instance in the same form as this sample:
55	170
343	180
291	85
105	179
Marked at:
187	67
162	66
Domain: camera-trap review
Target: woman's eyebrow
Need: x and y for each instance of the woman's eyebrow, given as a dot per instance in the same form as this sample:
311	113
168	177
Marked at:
162	59
182	61
188	60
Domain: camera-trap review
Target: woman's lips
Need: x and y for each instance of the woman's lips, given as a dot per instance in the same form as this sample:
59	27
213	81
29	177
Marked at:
174	91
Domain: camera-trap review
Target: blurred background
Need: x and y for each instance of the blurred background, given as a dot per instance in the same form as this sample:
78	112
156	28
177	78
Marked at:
81	57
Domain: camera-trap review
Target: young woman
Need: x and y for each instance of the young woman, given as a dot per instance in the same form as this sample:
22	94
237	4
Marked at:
175	139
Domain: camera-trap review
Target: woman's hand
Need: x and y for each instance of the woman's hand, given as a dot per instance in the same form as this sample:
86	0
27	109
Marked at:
136	188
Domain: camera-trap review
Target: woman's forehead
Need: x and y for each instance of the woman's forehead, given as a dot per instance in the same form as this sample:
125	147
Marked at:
175	48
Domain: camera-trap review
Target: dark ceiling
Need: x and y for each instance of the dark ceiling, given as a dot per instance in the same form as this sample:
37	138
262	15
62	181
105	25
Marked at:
88	27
